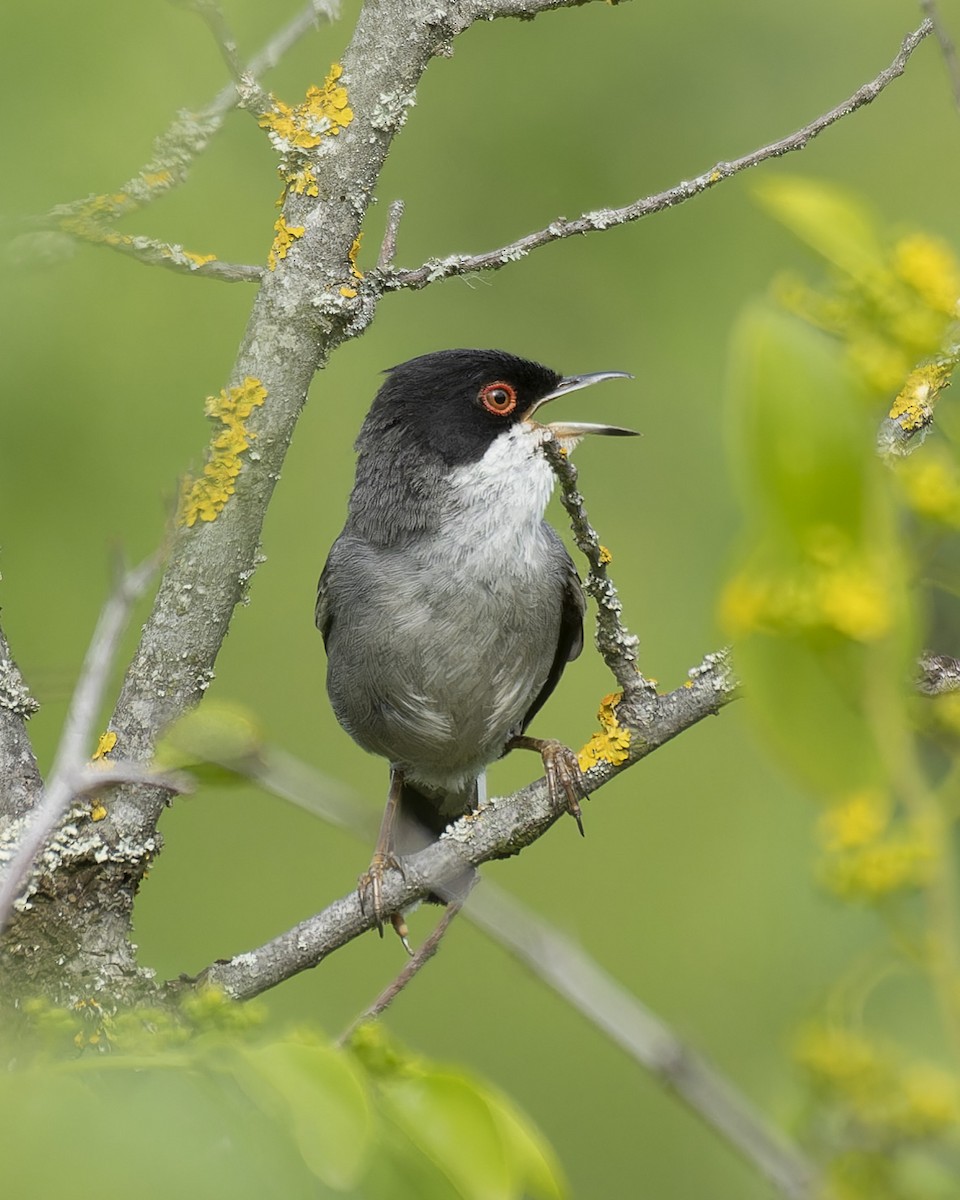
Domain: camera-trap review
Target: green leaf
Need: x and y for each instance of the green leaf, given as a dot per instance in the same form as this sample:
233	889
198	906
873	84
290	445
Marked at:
472	1134
216	741
799	437
317	1093
808	701
113	1126
833	222
533	1162
451	1123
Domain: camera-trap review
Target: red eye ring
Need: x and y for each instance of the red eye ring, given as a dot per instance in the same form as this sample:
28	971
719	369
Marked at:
499	398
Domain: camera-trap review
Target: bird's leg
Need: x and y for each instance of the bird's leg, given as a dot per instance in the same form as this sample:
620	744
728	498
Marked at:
564	778
370	883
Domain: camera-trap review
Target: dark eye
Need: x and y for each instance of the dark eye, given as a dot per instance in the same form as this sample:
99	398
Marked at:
499	398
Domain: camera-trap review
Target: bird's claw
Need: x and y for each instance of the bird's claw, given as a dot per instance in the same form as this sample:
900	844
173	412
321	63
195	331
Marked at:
370	888
401	930
564	779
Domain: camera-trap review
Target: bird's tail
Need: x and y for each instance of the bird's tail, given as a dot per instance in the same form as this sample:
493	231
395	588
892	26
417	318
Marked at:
423	815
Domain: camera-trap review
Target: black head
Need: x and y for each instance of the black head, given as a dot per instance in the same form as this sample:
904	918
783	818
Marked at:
452	404
439	412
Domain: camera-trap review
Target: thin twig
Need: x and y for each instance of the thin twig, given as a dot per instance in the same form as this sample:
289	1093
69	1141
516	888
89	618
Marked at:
92	218
558	961
492	260
947	48
283	40
213	16
617	646
250	95
92	779
388	247
416	964
77	734
173	257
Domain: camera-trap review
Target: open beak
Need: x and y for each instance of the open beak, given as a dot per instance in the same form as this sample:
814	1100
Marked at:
579	429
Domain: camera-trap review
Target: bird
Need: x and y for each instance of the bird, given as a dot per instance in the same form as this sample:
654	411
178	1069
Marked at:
448	606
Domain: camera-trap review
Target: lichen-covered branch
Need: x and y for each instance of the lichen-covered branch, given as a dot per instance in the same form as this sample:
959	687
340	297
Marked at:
493	260
68	777
502	827
20	781
910	417
617	647
93	219
938	674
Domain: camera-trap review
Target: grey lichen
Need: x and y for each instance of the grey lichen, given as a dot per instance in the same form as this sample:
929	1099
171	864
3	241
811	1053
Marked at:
76	840
14	693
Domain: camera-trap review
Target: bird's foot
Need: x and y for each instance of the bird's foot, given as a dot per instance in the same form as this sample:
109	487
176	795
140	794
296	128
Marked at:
564	777
370	891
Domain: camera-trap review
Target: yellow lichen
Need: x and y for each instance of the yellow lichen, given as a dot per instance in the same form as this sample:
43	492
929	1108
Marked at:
348	293
97	810
198	259
286	235
206	497
913	407
605	556
324	112
352	257
105	744
157	179
612	743
302	181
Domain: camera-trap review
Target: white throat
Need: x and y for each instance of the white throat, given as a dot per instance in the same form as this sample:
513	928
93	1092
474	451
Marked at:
505	493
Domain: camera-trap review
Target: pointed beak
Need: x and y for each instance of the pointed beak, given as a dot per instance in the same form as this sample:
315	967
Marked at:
578	429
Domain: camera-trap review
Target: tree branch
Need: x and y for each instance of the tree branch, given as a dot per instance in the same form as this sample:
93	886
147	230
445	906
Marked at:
189	133
68	772
20	781
938	674
579	979
501	828
93	219
566	968
466	264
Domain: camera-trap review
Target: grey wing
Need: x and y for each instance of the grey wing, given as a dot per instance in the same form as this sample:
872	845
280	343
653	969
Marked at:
323	613
570	638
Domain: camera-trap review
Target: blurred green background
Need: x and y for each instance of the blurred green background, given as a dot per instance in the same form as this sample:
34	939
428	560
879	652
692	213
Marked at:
694	885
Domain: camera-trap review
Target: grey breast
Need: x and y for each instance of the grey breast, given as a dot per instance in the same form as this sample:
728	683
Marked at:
438	649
